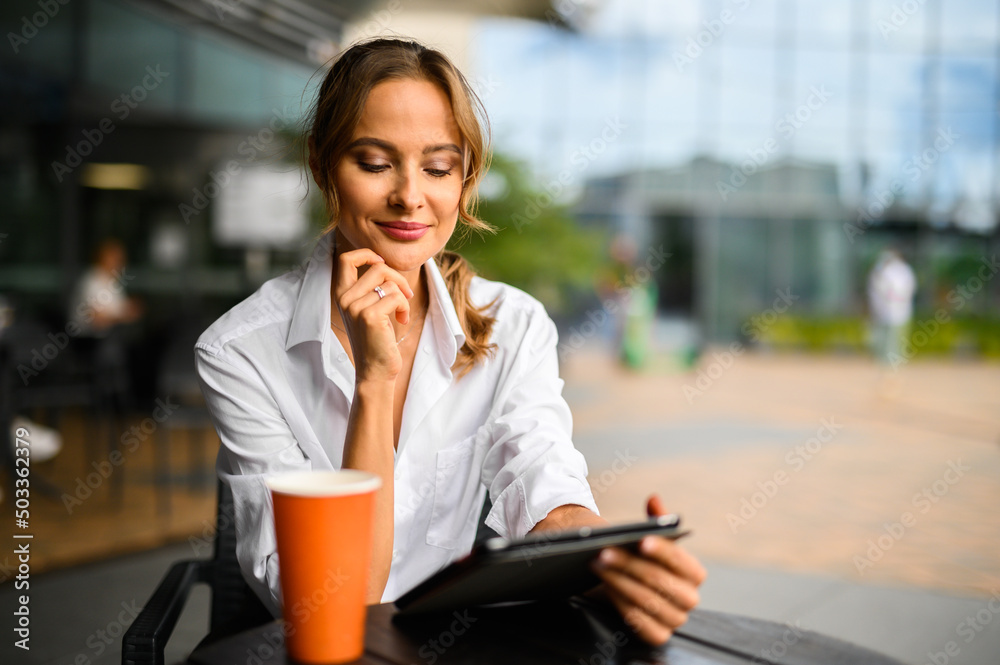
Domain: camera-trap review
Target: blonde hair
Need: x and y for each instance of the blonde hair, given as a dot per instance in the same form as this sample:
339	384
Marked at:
335	116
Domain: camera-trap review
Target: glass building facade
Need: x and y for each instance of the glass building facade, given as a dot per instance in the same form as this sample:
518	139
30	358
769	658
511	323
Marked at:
165	98
775	143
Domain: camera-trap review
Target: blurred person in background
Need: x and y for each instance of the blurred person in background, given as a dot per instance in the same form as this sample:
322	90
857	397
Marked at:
99	302
320	368
891	285
99	314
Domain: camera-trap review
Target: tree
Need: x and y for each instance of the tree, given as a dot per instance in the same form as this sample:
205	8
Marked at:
538	245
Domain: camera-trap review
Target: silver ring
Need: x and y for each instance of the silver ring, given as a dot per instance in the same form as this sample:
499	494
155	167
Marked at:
380	292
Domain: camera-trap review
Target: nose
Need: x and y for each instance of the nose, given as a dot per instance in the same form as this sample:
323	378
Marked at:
406	193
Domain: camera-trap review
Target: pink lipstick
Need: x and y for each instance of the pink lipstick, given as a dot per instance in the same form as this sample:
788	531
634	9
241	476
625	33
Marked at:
403	230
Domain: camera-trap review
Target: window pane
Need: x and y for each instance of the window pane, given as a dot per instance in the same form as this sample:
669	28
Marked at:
150	76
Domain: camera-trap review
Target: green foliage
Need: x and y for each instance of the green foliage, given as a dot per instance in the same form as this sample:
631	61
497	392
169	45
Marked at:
538	246
964	335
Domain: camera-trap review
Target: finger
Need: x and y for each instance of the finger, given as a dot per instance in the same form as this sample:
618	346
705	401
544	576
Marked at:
655	507
394	303
363	289
653	575
378	311
643	624
371	304
348	264
378	275
642	597
671	555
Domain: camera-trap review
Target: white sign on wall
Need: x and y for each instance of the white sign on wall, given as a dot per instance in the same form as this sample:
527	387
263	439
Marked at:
262	207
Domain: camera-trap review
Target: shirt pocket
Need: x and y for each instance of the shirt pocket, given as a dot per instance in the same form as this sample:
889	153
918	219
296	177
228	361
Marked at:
457	494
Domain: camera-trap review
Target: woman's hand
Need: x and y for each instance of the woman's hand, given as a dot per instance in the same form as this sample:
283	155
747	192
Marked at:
367	316
655	590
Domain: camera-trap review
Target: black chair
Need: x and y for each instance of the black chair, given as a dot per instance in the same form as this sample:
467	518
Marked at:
235	607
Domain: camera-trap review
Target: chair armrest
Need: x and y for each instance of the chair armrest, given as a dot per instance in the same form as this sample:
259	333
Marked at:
144	641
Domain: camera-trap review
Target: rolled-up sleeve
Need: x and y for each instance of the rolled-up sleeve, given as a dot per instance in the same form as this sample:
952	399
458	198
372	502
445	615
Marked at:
532	466
256	442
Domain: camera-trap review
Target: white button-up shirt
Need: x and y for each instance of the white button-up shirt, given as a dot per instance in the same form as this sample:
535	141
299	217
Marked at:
279	387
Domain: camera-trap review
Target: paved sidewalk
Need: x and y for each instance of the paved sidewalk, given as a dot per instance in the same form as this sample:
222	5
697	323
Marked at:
817	491
910	624
796	557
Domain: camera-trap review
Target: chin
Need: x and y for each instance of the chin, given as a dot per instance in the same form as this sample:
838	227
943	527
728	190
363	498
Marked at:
405	260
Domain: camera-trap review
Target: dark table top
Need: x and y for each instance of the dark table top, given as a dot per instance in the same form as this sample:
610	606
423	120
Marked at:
572	632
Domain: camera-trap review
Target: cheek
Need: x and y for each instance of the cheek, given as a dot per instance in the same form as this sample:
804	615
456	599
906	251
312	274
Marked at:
447	200
357	196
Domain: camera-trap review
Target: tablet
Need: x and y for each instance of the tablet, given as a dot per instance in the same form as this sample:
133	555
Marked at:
537	567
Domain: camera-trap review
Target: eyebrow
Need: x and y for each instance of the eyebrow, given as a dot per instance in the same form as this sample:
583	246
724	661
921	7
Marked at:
385	145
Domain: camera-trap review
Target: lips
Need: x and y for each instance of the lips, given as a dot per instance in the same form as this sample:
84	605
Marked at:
401	230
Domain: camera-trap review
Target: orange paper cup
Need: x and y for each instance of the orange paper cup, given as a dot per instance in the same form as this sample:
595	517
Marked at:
323	524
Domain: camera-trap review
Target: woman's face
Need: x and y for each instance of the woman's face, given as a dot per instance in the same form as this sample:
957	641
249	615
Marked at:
400	179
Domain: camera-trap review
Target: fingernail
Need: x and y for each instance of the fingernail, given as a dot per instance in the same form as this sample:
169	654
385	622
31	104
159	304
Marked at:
647	546
607	557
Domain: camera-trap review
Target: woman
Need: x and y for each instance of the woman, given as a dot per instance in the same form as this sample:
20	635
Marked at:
386	354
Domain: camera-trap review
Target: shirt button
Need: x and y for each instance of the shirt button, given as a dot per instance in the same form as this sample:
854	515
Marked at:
395	556
427	349
342	357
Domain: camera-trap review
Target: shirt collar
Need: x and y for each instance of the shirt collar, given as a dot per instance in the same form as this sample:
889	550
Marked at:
311	317
449	337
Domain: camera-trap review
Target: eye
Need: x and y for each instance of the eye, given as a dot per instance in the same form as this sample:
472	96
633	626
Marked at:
439	173
372	168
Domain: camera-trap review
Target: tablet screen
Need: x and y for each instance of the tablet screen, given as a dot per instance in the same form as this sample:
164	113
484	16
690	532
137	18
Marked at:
540	566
